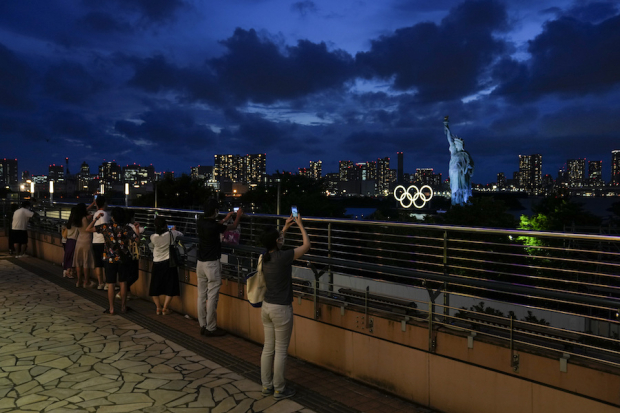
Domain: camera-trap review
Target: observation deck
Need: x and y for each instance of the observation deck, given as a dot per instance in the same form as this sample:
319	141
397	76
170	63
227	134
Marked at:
388	317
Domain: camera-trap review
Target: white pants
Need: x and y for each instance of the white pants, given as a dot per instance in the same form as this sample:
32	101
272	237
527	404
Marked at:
278	326
209	277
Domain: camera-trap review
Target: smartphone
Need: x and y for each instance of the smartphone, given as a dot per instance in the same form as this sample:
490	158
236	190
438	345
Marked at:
95	196
235	209
170	226
294	211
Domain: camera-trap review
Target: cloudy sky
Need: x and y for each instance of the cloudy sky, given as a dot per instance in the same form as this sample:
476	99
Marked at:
173	82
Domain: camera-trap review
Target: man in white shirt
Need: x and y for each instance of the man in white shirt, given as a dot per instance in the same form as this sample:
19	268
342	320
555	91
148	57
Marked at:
20	228
98	241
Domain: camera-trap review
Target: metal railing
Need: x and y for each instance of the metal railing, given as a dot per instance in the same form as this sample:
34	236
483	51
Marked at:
549	292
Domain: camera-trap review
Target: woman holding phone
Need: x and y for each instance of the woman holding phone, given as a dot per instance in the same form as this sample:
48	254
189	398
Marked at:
277	309
164	279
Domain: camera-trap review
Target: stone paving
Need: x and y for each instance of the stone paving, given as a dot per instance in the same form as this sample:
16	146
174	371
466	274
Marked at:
60	353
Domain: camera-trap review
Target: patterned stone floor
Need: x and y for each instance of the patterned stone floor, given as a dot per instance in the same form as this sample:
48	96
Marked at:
59	353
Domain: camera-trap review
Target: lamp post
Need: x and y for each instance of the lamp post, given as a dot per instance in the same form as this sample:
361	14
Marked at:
51	191
126	193
31	187
102	188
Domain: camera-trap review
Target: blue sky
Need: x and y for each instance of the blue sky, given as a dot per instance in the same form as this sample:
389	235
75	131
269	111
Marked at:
173	82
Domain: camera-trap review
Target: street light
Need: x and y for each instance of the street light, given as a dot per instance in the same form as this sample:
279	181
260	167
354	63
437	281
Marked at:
126	193
51	191
31	187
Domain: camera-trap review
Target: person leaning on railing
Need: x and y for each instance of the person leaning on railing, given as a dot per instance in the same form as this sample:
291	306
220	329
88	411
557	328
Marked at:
277	309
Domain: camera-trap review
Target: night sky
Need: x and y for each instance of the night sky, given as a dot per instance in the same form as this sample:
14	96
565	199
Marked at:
173	82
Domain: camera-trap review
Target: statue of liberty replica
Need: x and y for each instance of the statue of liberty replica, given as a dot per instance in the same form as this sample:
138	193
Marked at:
461	168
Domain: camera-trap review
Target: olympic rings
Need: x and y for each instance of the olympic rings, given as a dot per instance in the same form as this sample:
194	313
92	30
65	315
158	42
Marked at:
419	194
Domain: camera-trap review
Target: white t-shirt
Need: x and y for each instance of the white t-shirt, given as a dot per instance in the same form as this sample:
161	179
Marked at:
161	250
105	219
20	219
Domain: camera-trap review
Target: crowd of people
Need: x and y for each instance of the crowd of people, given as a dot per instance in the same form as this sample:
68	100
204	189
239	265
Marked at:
101	245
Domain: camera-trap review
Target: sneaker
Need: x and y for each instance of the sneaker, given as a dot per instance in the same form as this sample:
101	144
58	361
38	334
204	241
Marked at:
267	391
218	332
106	287
23	255
117	287
284	394
18	256
92	284
118	295
101	287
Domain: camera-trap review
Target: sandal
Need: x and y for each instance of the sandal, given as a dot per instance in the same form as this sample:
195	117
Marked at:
165	311
107	311
158	312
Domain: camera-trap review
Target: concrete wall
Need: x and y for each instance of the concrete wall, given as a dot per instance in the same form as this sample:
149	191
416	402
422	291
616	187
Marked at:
453	378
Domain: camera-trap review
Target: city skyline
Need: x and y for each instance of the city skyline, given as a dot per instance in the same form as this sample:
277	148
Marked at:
174	83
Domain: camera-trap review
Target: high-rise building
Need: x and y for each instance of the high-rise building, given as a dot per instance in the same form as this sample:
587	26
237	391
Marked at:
255	168
84	177
615	167
576	169
343	170
245	169
135	175
56	173
384	176
426	176
316	169
595	173
110	173
8	173
201	172
400	178
501	181
530	173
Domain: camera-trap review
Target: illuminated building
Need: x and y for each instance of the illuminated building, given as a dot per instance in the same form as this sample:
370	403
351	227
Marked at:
316	169
110	173
595	173
576	170
201	172
241	169
501	180
8	173
135	175
343	170
384	176
84	177
615	167
530	173
56	173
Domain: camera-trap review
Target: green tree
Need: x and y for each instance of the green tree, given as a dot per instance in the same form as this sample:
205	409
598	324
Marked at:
181	193
308	194
483	211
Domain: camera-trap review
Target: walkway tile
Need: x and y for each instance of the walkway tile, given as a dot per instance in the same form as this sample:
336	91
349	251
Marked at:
60	353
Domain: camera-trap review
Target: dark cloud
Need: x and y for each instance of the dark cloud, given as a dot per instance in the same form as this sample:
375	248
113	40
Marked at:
256	69
304	7
70	82
443	61
15	81
152	11
104	23
570	57
594	12
170	131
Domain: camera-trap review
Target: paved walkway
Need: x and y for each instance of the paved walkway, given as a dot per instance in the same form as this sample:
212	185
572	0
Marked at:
59	353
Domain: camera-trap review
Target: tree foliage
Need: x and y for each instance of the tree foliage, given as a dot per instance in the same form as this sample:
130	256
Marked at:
181	193
308	194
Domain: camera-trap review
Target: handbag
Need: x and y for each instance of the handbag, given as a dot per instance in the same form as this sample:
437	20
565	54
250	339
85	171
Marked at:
65	232
231	237
175	258
256	286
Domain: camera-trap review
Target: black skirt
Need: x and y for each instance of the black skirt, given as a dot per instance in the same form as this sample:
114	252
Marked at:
164	280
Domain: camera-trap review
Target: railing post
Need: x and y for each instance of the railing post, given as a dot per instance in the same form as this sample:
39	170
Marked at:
366	305
329	255
514	358
446	295
431	344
